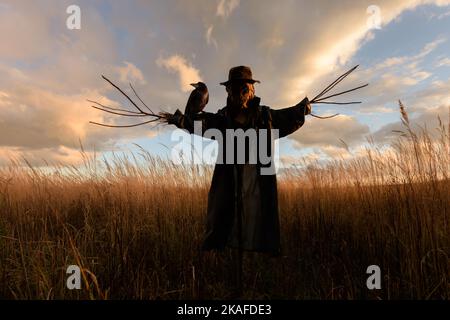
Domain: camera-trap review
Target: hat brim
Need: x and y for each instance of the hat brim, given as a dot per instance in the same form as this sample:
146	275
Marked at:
237	80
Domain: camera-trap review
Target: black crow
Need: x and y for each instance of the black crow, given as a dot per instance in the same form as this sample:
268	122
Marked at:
198	99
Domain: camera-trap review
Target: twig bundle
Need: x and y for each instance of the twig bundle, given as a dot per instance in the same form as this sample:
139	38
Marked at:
127	113
320	99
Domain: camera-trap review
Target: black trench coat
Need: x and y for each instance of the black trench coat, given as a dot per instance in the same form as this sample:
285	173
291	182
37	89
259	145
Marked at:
233	185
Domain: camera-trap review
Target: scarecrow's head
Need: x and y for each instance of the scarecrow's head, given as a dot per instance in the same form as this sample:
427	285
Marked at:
240	86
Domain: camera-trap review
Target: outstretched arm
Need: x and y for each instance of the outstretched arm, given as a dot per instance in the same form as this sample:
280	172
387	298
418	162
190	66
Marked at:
207	120
289	120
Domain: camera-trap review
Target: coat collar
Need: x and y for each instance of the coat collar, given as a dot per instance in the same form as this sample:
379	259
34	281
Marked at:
254	103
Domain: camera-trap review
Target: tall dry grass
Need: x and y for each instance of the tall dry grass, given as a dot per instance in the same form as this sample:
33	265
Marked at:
134	225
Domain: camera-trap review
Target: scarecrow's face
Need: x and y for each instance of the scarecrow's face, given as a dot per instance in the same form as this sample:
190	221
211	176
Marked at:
240	93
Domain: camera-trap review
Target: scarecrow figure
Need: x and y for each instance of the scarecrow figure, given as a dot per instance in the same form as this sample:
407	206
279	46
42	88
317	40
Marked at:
243	203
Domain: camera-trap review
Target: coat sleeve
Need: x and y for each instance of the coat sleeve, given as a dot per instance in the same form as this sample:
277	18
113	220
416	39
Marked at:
288	120
205	120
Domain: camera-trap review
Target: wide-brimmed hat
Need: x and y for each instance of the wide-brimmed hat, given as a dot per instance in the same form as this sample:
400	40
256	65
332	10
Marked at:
240	73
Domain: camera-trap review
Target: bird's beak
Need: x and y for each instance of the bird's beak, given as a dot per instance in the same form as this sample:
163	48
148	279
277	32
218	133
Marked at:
195	85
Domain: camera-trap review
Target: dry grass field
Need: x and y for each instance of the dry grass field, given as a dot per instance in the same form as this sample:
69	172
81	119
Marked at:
135	224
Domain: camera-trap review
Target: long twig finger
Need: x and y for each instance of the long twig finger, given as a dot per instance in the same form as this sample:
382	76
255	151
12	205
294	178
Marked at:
324	117
120	114
113	109
141	99
339	103
340	93
123	126
335	82
120	90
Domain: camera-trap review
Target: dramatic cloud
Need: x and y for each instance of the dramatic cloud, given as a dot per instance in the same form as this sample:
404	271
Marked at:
35	118
409	61
186	72
320	52
331	132
226	7
38	123
436	94
130	73
427	108
295	47
427	119
392	78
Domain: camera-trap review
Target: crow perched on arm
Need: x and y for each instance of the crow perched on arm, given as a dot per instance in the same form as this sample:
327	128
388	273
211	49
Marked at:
198	99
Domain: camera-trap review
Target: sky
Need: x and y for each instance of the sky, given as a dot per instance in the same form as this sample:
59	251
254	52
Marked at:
295	48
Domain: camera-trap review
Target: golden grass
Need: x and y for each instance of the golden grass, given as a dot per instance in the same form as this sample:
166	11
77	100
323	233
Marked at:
135	229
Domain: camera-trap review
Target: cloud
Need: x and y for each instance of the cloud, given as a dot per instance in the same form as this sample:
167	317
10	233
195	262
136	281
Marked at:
330	132
392	79
47	70
444	62
272	42
130	73
17	24
186	72
413	60
226	7
210	40
45	157
287	161
425	107
440	16
437	94
428	118
39	121
34	118
324	154
335	44
375	109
